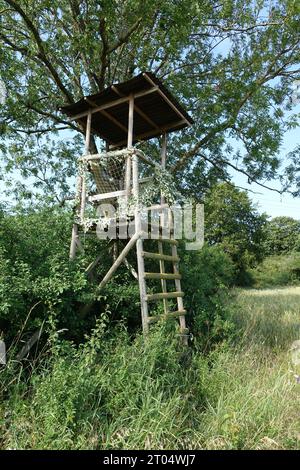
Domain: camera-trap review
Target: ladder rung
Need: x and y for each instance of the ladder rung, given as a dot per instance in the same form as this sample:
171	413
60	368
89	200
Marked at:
162	276
164	295
171	241
159	237
178	313
166	240
155	228
147	254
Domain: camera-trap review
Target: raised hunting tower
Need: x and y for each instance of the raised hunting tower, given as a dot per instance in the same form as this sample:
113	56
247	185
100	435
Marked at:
123	116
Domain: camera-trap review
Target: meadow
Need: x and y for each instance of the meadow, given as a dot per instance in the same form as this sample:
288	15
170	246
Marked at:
118	392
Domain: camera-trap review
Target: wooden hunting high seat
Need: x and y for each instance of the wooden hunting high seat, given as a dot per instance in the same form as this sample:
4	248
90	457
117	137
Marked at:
122	115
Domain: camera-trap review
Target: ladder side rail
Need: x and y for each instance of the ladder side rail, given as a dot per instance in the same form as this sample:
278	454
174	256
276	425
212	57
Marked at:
138	222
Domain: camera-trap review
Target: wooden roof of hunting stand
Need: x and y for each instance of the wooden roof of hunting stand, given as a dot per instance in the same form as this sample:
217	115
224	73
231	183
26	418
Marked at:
156	111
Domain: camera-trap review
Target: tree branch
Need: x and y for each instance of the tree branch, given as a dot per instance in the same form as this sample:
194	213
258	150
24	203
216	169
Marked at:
123	39
40	131
42	53
240	170
52	116
253	87
104	54
81	28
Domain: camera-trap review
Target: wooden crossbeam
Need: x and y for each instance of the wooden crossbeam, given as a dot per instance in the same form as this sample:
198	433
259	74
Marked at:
119	260
164	295
114	120
138	110
114	103
162	280
101	197
106	114
149	133
166	276
147	254
169	241
167	100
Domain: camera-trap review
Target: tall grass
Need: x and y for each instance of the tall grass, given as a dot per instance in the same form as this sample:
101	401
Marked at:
116	392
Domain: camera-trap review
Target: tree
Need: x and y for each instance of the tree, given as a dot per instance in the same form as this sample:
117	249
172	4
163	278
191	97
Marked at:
282	235
232	222
232	63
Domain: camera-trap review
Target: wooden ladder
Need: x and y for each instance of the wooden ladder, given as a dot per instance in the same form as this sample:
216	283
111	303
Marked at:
163	276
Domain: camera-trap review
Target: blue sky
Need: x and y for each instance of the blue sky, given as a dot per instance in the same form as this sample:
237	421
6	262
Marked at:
268	201
274	204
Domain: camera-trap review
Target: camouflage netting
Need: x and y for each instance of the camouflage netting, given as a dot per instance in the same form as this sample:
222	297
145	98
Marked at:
107	174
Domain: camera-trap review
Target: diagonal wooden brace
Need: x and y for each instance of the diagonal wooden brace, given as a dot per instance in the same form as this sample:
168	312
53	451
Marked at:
120	259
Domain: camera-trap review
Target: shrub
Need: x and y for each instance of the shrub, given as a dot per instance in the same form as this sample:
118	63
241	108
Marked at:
282	235
36	276
37	279
233	223
280	270
108	393
207	275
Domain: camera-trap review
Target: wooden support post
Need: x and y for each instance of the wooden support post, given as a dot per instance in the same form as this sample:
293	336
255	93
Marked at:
129	146
131	269
130	122
139	245
74	238
92	265
182	322
162	221
83	176
81	192
163	155
163	281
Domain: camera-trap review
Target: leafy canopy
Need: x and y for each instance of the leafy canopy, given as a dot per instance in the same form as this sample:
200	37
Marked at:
233	64
233	223
282	235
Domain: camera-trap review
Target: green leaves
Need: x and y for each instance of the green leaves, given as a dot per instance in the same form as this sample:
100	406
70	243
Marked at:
232	65
282	235
234	224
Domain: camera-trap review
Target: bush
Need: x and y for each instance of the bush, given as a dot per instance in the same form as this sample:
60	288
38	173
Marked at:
207	276
37	280
233	223
109	393
280	270
282	235
36	276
